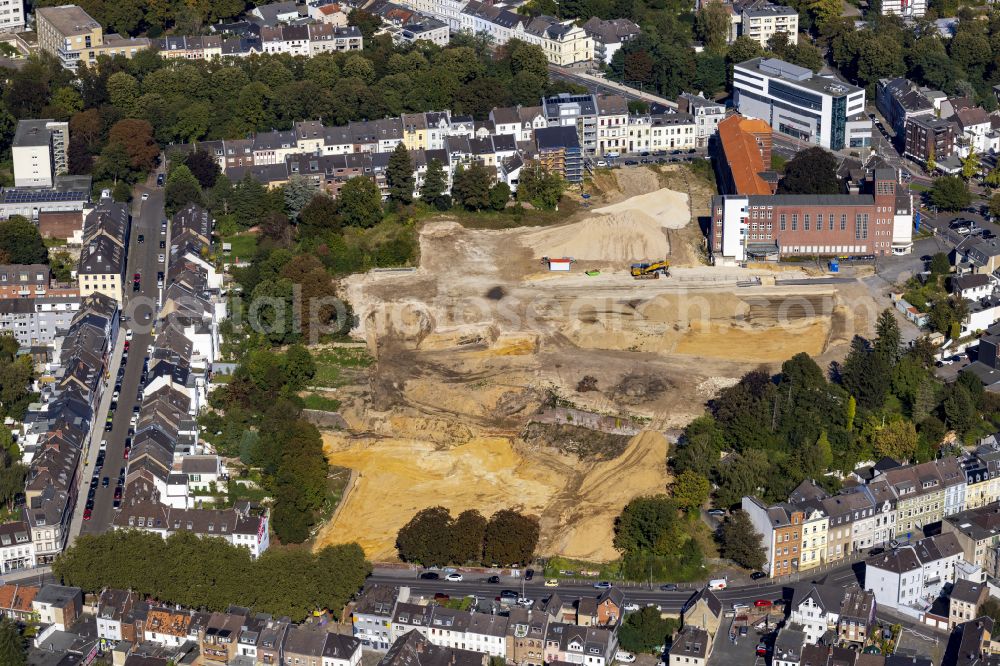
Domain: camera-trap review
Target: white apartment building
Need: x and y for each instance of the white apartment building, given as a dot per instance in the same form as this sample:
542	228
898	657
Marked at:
11	15
39	152
760	22
816	110
16	549
912	8
707	115
910	577
666	132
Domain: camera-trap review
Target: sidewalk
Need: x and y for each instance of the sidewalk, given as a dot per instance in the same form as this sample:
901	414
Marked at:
96	434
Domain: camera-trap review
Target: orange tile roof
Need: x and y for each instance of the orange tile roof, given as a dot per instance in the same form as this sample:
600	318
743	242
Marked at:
743	155
168	622
23	598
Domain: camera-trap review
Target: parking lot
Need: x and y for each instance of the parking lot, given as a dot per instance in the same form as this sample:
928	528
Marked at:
732	646
612	161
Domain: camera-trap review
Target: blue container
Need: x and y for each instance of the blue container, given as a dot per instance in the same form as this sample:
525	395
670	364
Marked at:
834	266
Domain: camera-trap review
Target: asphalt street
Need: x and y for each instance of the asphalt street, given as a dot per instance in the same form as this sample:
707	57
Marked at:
475	584
595	86
139	308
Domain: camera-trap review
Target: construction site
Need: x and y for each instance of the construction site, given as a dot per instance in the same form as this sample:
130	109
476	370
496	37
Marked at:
499	383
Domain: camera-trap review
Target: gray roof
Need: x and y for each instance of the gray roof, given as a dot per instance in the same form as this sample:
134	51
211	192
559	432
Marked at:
32	133
691	642
798	76
967	591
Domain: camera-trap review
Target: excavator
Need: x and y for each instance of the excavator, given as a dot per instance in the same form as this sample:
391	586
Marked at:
651	271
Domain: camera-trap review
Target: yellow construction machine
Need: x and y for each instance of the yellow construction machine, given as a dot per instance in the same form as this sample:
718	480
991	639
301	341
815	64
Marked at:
651	270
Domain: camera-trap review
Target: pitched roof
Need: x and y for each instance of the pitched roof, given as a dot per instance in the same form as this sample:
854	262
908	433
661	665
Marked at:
738	136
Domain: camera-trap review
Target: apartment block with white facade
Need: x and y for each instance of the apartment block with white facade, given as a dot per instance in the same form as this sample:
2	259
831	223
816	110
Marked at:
39	152
910	577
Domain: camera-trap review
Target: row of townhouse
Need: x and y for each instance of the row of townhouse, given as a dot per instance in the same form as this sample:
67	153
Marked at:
167	466
34	308
103	258
578	631
55	434
559	133
880	503
296	40
235	636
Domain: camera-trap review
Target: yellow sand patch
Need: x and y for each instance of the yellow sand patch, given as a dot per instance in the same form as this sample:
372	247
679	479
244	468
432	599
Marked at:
749	344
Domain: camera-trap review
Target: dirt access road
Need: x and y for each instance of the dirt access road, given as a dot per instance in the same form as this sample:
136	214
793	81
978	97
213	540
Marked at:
474	342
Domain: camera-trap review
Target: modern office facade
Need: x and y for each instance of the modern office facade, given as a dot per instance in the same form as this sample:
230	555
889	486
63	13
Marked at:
72	36
795	102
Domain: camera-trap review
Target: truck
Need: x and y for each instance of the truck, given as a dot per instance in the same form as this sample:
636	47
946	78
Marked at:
650	270
717	584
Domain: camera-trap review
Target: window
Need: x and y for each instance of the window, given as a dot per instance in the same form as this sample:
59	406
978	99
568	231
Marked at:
782	218
795	221
843	221
819	221
805	222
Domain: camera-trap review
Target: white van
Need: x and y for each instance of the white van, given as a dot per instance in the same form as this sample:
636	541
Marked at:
717	584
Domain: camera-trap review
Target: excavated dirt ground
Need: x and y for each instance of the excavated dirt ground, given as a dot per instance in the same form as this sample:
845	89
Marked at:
477	339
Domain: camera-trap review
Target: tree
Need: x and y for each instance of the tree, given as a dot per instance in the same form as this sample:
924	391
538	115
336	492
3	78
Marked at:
931	164
690	491
298	191
646	630
20	242
204	167
648	524
866	375
13	651
360	203
811	171
740	542
889	340
136	137
711	25
959	409
818	457
182	189
399	175
499	196
950	193
940	264
540	187
510	538
970	165
318	217
467	534
366	22
897	440
432	192
471	187
995	206
426	538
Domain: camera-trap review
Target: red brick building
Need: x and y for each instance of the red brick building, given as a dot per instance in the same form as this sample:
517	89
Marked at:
754	227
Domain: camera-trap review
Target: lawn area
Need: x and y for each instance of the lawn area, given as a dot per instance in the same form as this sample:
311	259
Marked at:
336	484
321	402
606	571
458	603
332	362
244	245
917	187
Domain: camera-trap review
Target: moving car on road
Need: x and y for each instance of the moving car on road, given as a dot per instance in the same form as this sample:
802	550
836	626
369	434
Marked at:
552	582
455	577
603	585
429	575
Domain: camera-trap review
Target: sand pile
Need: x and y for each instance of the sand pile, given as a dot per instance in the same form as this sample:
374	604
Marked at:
631	230
666	207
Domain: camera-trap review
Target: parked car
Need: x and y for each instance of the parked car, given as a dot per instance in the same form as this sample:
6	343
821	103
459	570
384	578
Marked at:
631	607
86	514
552	582
669	587
145	195
762	603
128	334
493	580
455	577
717	512
624	657
105	482
603	585
160	179
429	575
525	602
757	575
529	574
740	606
